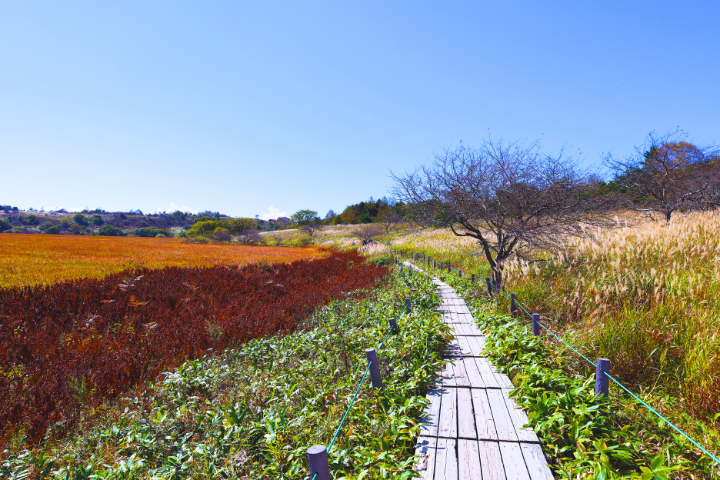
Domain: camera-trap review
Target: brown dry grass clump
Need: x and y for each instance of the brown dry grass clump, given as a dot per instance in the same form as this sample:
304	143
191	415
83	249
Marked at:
647	297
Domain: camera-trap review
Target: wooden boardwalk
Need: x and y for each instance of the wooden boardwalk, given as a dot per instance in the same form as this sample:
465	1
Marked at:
473	429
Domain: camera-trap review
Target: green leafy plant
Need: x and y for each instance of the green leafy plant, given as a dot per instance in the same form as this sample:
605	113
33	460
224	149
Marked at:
253	412
149	232
110	231
583	433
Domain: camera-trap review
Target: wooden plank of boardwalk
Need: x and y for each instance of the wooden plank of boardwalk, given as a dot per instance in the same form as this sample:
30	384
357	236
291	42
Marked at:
473	430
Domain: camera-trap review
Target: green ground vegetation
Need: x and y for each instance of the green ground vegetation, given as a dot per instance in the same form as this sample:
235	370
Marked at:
586	436
253	412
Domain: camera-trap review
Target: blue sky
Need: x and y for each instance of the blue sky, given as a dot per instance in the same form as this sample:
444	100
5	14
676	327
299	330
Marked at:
239	106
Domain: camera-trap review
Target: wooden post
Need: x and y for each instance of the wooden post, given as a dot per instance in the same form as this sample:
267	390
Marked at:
407	305
449	268
489	287
434	264
393	325
318	462
371	355
602	381
513	305
459	274
536	324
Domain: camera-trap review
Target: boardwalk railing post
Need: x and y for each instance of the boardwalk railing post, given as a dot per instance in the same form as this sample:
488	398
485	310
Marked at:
393	326
513	306
371	355
489	287
536	323
434	264
459	274
472	278
449	268
407	305
602	381
318	462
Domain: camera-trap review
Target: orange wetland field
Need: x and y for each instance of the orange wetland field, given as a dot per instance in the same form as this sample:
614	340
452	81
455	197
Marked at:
46	259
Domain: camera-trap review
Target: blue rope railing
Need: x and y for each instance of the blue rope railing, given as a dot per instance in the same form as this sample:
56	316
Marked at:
355	395
617	382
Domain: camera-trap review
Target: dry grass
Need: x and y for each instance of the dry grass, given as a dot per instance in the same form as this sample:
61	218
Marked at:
46	259
645	296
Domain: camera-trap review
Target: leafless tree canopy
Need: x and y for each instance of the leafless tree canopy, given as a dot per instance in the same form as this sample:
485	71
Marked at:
509	196
668	174
248	237
312	227
389	219
367	232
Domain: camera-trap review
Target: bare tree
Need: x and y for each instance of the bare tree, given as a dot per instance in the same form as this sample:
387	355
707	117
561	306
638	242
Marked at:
389	218
312	227
368	231
666	175
248	237
510	197
221	235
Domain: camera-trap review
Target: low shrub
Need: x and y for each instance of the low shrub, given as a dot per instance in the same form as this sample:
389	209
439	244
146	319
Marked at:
304	242
197	240
4	225
110	231
80	219
221	235
382	260
150	232
53	230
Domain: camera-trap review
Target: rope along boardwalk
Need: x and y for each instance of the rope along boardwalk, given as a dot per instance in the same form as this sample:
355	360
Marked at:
492	288
473	429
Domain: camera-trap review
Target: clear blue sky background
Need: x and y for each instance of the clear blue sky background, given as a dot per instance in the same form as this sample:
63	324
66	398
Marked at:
236	106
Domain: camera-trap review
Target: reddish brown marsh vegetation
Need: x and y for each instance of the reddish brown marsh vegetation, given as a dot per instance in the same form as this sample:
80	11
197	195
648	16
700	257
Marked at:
75	344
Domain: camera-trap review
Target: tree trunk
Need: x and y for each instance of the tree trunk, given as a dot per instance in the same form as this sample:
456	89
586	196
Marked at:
497	273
